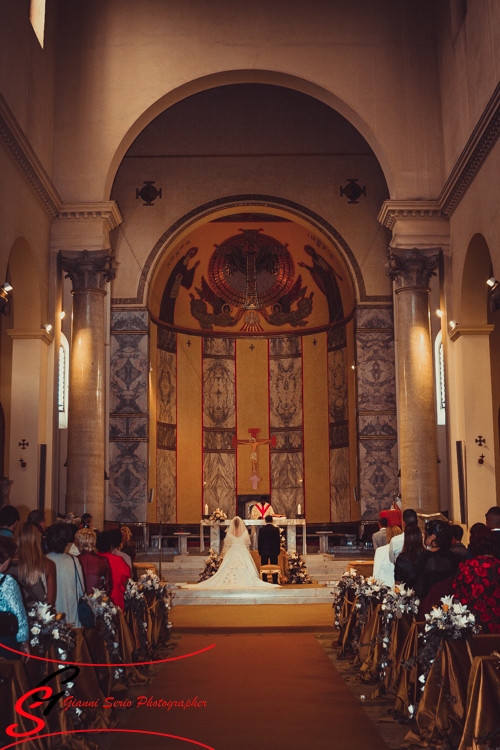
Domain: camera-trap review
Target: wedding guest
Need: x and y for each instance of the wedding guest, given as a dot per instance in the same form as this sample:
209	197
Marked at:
70	578
37	517
436	567
116	544
406	561
383	568
379	539
14	630
396	544
86	521
35	573
9	518
95	567
128	543
493	523
120	572
72	549
477	583
457	547
473	530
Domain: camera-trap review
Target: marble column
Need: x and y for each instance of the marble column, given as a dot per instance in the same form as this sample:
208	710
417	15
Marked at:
411	271
89	273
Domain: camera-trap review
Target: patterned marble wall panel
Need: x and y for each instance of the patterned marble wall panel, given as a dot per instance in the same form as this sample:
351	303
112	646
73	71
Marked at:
219	396
285	347
214	440
285	392
129	374
219	482
378	475
215	347
376	371
166	483
166	365
128	428
287	440
375	317
337	385
339	434
166	436
128	470
340	489
287	471
378	425
129	320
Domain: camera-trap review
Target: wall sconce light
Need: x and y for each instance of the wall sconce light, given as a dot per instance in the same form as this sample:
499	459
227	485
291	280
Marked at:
453	324
62	314
494	293
5	298
23	463
48	327
439	313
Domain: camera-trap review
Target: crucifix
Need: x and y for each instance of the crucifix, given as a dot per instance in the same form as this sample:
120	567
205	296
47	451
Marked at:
254	443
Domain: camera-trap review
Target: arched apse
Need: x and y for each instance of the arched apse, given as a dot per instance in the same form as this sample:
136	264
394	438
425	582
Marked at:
477	269
226	78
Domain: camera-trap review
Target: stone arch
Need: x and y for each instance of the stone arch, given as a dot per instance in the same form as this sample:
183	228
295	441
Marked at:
224	78
474	293
23	274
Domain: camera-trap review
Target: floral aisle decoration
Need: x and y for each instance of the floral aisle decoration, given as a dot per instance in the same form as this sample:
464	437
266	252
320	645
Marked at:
297	569
135	600
150	581
217	516
212	565
367	590
104	611
398	601
349	580
50	629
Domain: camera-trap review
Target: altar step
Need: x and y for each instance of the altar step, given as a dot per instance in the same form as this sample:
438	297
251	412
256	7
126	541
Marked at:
287	595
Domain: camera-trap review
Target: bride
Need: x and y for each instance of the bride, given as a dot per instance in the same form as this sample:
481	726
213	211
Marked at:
237	569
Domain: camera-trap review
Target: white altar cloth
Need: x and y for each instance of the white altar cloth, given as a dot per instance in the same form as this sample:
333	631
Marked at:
291	532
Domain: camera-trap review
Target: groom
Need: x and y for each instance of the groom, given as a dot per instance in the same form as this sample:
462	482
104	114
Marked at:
269	544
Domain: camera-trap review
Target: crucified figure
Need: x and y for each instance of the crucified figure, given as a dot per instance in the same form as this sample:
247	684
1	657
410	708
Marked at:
254	443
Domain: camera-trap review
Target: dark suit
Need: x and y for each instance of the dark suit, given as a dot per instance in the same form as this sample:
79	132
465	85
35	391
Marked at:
269	546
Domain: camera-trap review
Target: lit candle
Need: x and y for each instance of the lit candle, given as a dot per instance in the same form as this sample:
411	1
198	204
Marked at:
206	509
298	510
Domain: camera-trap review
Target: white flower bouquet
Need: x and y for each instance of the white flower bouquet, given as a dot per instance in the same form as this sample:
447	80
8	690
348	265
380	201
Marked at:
349	580
104	612
217	516
212	565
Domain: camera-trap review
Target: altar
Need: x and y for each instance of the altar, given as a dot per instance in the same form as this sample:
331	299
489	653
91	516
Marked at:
291	532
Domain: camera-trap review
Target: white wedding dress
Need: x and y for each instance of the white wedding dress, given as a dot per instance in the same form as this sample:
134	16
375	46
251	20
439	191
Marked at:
237	569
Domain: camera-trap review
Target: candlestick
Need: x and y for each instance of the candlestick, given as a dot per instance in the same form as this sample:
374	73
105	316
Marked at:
206	509
298	510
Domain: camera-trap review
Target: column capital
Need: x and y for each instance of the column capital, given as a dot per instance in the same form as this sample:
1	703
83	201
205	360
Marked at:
412	268
78	225
89	270
415	223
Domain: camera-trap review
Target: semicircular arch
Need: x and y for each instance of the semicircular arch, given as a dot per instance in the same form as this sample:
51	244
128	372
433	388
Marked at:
229	77
474	293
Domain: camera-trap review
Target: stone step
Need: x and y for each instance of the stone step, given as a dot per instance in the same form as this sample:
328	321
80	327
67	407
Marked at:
305	595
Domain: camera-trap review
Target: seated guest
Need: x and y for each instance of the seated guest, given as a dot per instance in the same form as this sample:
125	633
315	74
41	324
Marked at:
128	543
37	517
70	578
14	630
95	567
406	561
35	573
473	530
9	518
457	547
383	568
477	583
436	567
396	544
379	539
120	572
116	547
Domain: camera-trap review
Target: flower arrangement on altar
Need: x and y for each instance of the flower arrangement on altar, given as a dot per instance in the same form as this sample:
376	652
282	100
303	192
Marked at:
217	516
282	538
297	569
49	628
104	611
212	565
349	580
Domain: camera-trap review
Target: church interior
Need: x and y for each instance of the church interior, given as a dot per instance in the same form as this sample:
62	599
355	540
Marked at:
250	335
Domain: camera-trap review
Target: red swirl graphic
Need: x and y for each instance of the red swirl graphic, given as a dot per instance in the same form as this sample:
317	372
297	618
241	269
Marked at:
113	666
134	731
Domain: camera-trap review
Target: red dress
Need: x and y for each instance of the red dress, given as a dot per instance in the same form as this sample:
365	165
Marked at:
477	584
120	573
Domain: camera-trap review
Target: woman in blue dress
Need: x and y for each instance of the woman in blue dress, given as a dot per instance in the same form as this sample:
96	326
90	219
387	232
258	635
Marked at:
14	630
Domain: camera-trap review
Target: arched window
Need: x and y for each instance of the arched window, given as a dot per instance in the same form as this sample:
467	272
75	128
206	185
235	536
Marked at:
440	387
37	18
63	383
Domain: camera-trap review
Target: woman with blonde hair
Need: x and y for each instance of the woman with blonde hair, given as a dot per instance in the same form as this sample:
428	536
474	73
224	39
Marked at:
128	546
34	572
95	567
383	568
